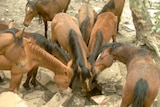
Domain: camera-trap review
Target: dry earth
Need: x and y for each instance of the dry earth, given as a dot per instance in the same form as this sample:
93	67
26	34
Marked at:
109	80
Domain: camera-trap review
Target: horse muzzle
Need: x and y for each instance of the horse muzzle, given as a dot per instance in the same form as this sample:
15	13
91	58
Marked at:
26	24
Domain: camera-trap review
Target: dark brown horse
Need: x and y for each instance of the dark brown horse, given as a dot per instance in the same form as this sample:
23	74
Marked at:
86	18
104	29
66	32
143	75
33	56
45	9
114	6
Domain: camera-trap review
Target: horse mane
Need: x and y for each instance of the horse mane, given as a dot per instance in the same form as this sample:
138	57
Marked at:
42	42
32	3
109	6
97	45
75	47
34	48
83	26
13	31
47	45
114	45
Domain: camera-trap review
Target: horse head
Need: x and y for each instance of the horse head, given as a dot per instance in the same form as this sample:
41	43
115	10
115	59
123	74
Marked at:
104	60
31	12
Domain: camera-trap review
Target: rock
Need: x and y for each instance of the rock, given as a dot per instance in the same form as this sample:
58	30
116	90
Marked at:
100	99
58	99
35	99
10	99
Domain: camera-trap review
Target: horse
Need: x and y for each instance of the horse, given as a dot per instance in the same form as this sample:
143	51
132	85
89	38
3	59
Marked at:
5	25
31	57
103	30
86	19
11	44
115	6
143	75
45	9
53	49
66	32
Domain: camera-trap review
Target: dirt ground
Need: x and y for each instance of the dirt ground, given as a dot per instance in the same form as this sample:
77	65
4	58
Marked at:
15	9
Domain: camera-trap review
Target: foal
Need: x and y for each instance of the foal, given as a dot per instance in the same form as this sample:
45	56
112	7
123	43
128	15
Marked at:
45	9
67	34
143	75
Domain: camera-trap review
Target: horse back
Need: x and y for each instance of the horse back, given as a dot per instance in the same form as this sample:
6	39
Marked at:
60	27
48	8
86	18
107	24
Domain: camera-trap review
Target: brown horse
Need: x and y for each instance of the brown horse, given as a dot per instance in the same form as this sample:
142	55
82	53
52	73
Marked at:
45	9
33	56
53	49
11	44
104	29
115	6
5	25
143	76
86	18
66	32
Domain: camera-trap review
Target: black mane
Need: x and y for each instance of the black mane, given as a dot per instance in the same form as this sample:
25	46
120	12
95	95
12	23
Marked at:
75	47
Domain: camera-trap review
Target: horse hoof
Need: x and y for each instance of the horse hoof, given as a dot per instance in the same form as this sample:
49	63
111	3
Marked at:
26	87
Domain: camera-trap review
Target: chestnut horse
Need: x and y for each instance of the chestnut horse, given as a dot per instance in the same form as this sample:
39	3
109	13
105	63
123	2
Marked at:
53	49
66	32
86	18
143	75
33	56
104	29
11	44
5	25
115	6
45	9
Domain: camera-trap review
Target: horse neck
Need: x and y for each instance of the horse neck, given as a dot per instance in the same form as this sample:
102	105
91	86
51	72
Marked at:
44	59
124	55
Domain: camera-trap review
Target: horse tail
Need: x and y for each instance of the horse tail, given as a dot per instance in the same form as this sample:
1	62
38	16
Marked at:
97	46
140	92
83	29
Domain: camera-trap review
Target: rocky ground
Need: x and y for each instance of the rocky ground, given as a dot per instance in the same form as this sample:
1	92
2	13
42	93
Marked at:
46	94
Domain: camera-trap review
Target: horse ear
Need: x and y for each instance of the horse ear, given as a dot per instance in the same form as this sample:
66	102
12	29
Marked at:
70	63
11	24
20	33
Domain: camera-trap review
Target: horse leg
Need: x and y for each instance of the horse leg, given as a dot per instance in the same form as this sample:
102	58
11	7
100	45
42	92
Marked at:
26	83
45	27
1	80
34	73
15	81
126	97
